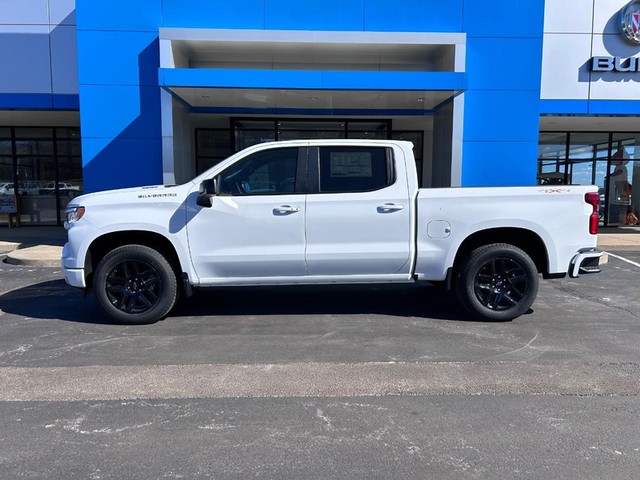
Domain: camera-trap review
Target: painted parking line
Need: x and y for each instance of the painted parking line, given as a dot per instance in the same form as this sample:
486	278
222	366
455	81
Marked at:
315	380
626	260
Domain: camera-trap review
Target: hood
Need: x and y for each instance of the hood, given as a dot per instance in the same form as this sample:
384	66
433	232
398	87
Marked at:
151	192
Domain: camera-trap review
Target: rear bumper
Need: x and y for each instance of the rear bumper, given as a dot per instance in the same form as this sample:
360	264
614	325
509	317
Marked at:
587	260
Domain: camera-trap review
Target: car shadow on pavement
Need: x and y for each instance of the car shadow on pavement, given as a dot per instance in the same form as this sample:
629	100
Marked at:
399	300
55	300
52	300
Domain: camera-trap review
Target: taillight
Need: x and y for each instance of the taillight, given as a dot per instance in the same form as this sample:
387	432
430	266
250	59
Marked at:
593	199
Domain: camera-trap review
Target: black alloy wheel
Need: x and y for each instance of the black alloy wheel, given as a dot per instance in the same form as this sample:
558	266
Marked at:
501	283
496	282
135	284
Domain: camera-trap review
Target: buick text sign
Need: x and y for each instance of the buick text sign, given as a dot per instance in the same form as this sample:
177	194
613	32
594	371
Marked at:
615	64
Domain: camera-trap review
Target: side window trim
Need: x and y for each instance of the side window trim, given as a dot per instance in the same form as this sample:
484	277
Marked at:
302	171
313	178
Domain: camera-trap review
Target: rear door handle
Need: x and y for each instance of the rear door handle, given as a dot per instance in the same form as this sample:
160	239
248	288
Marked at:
389	207
285	210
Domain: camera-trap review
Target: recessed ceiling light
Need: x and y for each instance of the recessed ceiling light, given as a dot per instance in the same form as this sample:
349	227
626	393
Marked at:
420	100
314	99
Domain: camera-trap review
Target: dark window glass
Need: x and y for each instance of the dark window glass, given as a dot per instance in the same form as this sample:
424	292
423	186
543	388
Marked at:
68	133
34	132
247	138
68	148
354	169
36	204
213	143
5	147
212	146
307	135
310	125
271	172
34	147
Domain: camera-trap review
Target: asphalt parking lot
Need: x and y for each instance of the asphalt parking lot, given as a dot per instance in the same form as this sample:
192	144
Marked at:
322	382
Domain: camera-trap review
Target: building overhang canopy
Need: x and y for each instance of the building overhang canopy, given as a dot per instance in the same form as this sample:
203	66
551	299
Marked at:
236	70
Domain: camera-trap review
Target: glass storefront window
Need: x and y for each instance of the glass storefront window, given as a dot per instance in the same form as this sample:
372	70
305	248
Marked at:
311	125
212	146
247	138
309	134
41	170
588	145
249	132
609	160
623	181
552	153
6	147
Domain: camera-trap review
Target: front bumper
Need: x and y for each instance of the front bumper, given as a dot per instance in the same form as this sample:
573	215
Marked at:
587	260
73	276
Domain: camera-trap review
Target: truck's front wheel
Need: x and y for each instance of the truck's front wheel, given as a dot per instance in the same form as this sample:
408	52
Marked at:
497	282
135	285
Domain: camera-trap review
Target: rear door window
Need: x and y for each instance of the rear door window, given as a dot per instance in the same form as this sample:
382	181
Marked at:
355	169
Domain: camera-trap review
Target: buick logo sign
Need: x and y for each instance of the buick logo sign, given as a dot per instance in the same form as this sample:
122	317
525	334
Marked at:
630	22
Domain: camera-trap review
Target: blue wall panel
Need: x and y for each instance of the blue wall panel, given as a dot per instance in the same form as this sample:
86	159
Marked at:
119	15
494	115
118	58
496	64
503	18
120	162
489	164
413	16
502	104
120	111
247	14
314	15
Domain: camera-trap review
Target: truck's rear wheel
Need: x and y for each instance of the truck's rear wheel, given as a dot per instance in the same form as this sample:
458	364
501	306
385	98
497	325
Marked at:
497	282
135	285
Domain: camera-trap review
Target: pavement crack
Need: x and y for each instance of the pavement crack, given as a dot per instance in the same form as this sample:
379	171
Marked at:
320	414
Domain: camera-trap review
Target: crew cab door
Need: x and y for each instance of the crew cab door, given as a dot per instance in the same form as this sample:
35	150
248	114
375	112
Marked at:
358	212
255	226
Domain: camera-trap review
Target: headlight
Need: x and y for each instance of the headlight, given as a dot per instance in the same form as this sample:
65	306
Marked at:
73	214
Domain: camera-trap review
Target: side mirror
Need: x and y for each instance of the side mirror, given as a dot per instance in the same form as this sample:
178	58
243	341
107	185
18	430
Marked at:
208	190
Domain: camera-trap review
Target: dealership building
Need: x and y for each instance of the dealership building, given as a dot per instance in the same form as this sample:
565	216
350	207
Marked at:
99	94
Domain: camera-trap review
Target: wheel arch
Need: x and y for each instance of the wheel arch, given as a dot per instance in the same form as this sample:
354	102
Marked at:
103	244
527	240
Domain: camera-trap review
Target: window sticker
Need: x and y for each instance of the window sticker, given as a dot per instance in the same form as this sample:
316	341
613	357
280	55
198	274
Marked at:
350	164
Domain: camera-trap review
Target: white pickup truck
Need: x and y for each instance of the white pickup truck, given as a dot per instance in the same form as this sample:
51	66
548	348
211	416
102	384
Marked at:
326	212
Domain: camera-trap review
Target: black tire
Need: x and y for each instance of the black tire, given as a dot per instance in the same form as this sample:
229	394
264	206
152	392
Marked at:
135	285
497	282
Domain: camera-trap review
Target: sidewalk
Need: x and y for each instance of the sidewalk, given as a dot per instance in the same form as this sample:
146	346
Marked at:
32	246
42	246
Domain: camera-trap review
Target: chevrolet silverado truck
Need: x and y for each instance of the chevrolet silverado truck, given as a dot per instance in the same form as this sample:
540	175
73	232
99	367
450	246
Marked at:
326	212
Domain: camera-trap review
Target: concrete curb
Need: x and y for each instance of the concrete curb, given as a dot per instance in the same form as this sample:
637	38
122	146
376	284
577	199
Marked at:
6	247
38	256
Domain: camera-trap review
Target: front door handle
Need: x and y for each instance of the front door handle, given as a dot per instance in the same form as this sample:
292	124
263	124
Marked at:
389	207
285	210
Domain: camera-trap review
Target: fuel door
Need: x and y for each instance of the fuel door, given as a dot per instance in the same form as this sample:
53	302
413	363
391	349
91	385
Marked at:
438	229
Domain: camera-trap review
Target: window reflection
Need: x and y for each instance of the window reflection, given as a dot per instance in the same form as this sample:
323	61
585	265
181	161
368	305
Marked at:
609	160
